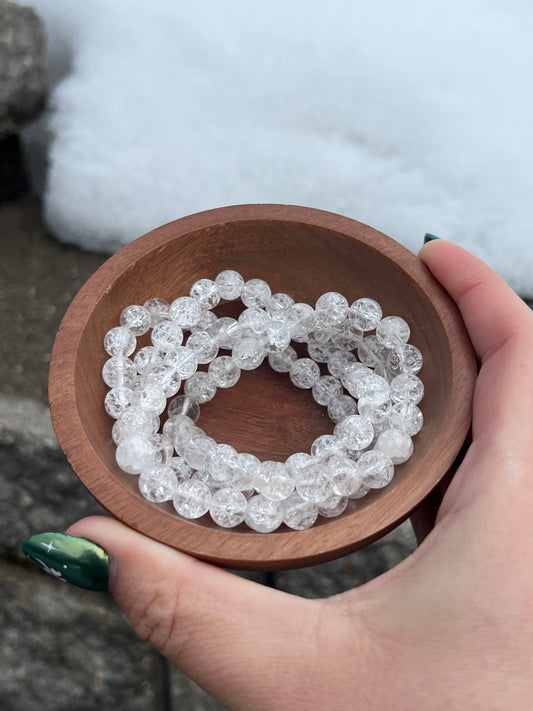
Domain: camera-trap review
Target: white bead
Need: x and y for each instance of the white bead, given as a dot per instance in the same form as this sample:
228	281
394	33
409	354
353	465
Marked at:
224	372
158	484
203	345
119	370
281	361
248	354
367	313
393	331
255	293
206	292
304	373
183	359
406	388
158	310
200	387
376	468
331	308
228	507
118	400
192	499
185	311
326	389
135	454
297	513
355	431
313	483
120	341
406	418
230	284
136	318
263	515
397	444
166	336
274	481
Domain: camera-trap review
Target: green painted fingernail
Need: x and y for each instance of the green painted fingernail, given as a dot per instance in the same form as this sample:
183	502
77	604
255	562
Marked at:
70	559
428	237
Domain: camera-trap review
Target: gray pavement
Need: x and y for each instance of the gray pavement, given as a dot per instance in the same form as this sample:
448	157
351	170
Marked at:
62	648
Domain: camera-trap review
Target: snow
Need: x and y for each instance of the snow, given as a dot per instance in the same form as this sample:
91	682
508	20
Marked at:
412	117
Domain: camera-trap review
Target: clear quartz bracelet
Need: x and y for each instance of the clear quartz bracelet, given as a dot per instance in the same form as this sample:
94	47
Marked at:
360	367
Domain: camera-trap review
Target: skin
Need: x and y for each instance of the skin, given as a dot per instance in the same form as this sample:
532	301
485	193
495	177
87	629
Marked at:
451	627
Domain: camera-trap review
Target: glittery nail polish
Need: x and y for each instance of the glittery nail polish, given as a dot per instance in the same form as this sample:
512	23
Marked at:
70	559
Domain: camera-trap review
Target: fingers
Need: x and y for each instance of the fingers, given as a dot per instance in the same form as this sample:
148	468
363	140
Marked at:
501	329
235	638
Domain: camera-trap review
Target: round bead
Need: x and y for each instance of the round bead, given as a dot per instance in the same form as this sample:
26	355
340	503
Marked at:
281	361
158	310
297	513
405	359
313	483
274	481
376	468
406	388
224	372
203	345
206	292
263	515
158	484
228	507
406	418
304	373
136	318
118	371
344	473
200	387
340	407
333	506
184	405
151	397
226	332
135	454
393	331
326	389
192	498
167	336
147	359
396	444
366	313
184	361
230	284
355	431
248	354
120	341
118	400
339	362
331	308
167	377
255	293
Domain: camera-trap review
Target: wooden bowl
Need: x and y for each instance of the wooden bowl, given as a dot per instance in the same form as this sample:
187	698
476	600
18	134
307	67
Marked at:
304	252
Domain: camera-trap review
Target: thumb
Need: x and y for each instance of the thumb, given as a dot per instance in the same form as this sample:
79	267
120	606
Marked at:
240	641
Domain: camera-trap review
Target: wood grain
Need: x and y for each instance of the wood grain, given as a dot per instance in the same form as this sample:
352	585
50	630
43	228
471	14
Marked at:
304	252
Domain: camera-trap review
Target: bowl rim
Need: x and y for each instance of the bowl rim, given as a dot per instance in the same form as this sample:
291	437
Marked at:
235	549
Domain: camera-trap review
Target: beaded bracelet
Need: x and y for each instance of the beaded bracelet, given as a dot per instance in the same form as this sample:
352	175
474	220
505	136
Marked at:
371	392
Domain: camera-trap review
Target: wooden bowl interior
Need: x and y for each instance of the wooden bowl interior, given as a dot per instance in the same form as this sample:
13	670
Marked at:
264	413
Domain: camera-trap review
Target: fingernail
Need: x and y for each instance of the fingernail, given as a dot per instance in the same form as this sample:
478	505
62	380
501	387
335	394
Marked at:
428	237
70	559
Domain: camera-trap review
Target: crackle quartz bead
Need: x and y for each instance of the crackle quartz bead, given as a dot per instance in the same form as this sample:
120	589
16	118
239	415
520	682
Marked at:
320	352
163	447
371	352
166	377
344	473
120	341
339	362
132	421
247	470
393	331
376	406
376	468
406	388
226	332
331	308
207	319
340	407
255	293
274	481
253	322
184	405
300	319
197	450
158	484
182	471
119	370
222	464
224	372
406	418
304	373
296	461
366	313
118	400
135	454
183	359
263	515
277	337
396	444
185	311
206	292
136	318
326	389
347	335
248	354
158	310
321	334
405	359
200	387
313	482
166	336
230	284
146	359
361	491
203	345
192	499
278	305
151	397
333	506
281	361
228	507
353	374
297	513
355	432
178	429
327	444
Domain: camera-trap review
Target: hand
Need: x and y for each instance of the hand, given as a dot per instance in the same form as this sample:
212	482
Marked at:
451	627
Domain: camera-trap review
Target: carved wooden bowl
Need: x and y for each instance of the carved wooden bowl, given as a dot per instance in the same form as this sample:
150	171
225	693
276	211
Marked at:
304	252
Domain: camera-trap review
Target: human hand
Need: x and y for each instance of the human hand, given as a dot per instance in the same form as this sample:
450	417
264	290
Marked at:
451	627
